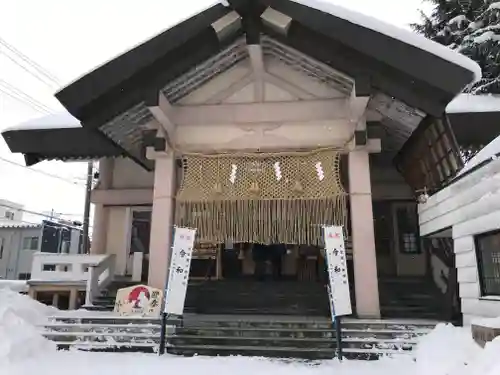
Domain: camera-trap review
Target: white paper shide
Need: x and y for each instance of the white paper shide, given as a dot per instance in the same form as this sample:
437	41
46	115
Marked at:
340	298
182	251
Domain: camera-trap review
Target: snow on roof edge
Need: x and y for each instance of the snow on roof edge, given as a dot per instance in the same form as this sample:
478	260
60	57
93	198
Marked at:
148	38
469	103
488	152
60	120
395	32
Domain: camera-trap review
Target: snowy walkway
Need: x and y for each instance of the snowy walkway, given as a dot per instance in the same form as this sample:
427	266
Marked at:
446	351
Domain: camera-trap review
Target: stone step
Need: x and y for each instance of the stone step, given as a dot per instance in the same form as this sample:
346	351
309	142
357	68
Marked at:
278	352
296	342
298	333
283	337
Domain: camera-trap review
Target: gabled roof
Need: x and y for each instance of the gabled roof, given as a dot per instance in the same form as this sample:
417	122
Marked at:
379	58
58	136
475	119
154	63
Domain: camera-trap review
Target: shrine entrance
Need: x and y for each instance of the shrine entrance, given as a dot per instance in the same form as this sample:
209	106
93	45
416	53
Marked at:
258	218
254	278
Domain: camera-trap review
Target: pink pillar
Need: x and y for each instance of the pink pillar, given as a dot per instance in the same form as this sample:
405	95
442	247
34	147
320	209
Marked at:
363	236
162	220
99	230
101	213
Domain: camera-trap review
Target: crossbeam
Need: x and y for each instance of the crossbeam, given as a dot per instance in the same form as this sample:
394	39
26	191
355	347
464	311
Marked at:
279	112
162	113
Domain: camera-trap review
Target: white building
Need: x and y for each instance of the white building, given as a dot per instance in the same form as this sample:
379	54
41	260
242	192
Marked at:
18	241
468	212
10	211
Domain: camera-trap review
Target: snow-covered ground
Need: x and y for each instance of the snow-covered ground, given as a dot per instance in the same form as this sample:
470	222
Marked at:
446	351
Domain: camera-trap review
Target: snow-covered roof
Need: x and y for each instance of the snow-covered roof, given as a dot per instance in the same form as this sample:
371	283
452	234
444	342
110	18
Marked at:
488	152
468	103
52	121
395	32
12	224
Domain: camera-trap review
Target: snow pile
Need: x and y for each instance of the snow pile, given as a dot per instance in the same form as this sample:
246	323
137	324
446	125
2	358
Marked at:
487	362
19	338
446	350
14	285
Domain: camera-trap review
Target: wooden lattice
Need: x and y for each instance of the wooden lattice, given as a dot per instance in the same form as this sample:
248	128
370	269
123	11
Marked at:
263	198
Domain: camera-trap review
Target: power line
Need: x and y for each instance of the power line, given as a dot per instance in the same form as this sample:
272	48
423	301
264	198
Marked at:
42	172
27	70
23	101
26	98
44	72
6	222
36	213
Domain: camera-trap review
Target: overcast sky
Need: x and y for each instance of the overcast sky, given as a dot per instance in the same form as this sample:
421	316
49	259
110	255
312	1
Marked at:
69	38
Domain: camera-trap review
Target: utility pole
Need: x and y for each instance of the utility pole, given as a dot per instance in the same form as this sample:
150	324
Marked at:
86	212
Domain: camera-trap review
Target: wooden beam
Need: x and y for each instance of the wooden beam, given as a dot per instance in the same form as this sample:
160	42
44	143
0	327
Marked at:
276	20
357	107
299	92
161	113
276	112
226	26
257	61
230	90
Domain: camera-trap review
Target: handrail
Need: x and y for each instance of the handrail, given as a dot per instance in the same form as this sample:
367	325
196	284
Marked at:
62	267
99	277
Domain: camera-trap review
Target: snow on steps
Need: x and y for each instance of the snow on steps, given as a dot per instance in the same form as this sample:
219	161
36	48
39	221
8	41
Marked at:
275	337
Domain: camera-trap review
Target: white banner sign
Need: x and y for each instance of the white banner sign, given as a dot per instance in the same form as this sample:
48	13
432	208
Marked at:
182	251
340	298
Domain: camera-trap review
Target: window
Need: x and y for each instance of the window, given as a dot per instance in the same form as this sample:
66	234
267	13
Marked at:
407	228
488	258
9	215
431	157
30	243
2	241
24	276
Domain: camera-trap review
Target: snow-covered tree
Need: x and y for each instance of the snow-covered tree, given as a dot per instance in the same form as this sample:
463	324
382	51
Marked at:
471	27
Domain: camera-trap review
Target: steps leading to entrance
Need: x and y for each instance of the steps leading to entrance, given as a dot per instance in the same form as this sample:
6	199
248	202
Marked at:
258	297
411	298
399	297
106	301
270	336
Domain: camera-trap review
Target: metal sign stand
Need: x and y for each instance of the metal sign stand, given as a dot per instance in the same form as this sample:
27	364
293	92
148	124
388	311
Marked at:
163	333
338	334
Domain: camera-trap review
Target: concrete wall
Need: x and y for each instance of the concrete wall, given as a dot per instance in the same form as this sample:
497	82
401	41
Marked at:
8	207
15	259
389	185
127	174
469	207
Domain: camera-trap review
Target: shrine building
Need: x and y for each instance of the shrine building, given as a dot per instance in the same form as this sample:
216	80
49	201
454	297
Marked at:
257	123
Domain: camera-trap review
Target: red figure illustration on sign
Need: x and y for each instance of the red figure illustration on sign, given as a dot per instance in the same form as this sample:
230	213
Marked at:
139	296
